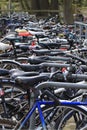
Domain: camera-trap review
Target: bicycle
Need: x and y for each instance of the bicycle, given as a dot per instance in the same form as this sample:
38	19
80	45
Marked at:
54	103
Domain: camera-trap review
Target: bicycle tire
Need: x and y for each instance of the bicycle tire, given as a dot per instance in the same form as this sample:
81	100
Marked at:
72	118
9	66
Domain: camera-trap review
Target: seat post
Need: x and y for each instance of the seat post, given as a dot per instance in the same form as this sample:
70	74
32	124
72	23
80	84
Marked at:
32	118
14	48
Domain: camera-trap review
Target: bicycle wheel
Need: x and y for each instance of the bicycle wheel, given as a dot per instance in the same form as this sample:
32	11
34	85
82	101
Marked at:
15	114
9	66
13	106
56	118
72	118
65	117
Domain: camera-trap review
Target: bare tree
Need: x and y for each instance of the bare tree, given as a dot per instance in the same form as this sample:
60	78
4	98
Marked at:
35	4
40	5
22	4
68	15
54	5
25	5
43	5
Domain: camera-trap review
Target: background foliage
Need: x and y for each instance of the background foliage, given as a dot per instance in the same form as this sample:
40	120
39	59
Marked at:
64	8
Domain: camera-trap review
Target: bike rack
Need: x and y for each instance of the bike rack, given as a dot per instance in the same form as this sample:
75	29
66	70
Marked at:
80	28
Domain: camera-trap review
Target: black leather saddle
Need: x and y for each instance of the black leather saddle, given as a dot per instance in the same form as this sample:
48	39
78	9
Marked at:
26	83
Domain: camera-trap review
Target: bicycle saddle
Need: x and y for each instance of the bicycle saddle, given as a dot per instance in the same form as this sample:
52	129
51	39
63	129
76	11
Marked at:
37	59
27	82
27	67
13	38
15	72
41	52
4	72
28	47
50	45
41	59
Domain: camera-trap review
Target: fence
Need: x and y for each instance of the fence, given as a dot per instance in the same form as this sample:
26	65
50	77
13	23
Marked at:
81	28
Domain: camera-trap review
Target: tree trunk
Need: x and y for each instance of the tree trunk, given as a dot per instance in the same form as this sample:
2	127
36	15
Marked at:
54	6
25	5
40	5
22	5
35	6
44	5
68	15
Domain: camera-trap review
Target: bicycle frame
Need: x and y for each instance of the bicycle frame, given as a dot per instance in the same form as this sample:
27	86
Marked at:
38	106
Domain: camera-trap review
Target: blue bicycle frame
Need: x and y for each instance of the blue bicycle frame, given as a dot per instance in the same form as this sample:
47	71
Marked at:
38	105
